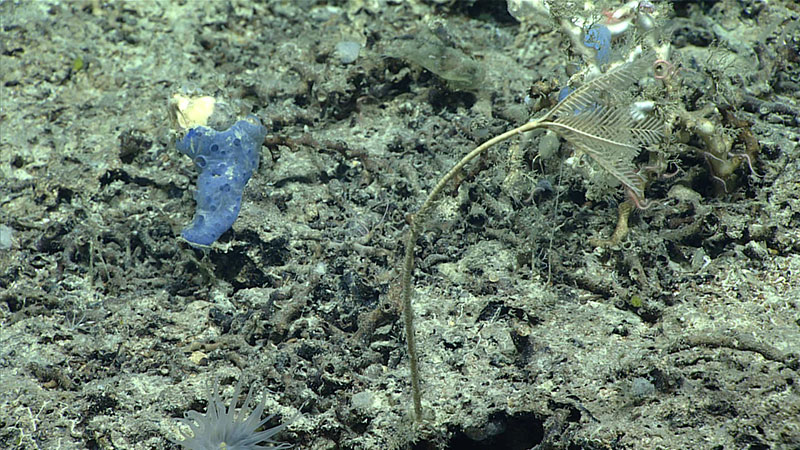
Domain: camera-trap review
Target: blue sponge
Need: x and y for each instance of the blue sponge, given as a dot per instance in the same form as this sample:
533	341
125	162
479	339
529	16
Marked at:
227	160
598	37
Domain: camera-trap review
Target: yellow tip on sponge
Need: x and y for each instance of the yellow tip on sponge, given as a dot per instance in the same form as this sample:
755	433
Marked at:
191	112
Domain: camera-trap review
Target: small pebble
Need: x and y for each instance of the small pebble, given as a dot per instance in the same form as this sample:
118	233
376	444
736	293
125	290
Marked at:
6	237
347	51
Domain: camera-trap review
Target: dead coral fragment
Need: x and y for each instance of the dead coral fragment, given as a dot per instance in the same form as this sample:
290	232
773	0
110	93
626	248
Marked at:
433	53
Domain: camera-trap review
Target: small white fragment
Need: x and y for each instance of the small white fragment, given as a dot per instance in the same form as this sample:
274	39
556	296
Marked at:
522	9
705	128
363	400
6	237
619	27
639	110
347	51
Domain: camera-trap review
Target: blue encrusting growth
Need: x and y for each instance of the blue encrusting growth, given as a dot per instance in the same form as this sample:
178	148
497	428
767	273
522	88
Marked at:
598	37
564	92
227	160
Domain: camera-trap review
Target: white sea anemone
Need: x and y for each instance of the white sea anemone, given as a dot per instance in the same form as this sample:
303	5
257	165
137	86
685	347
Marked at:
226	428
